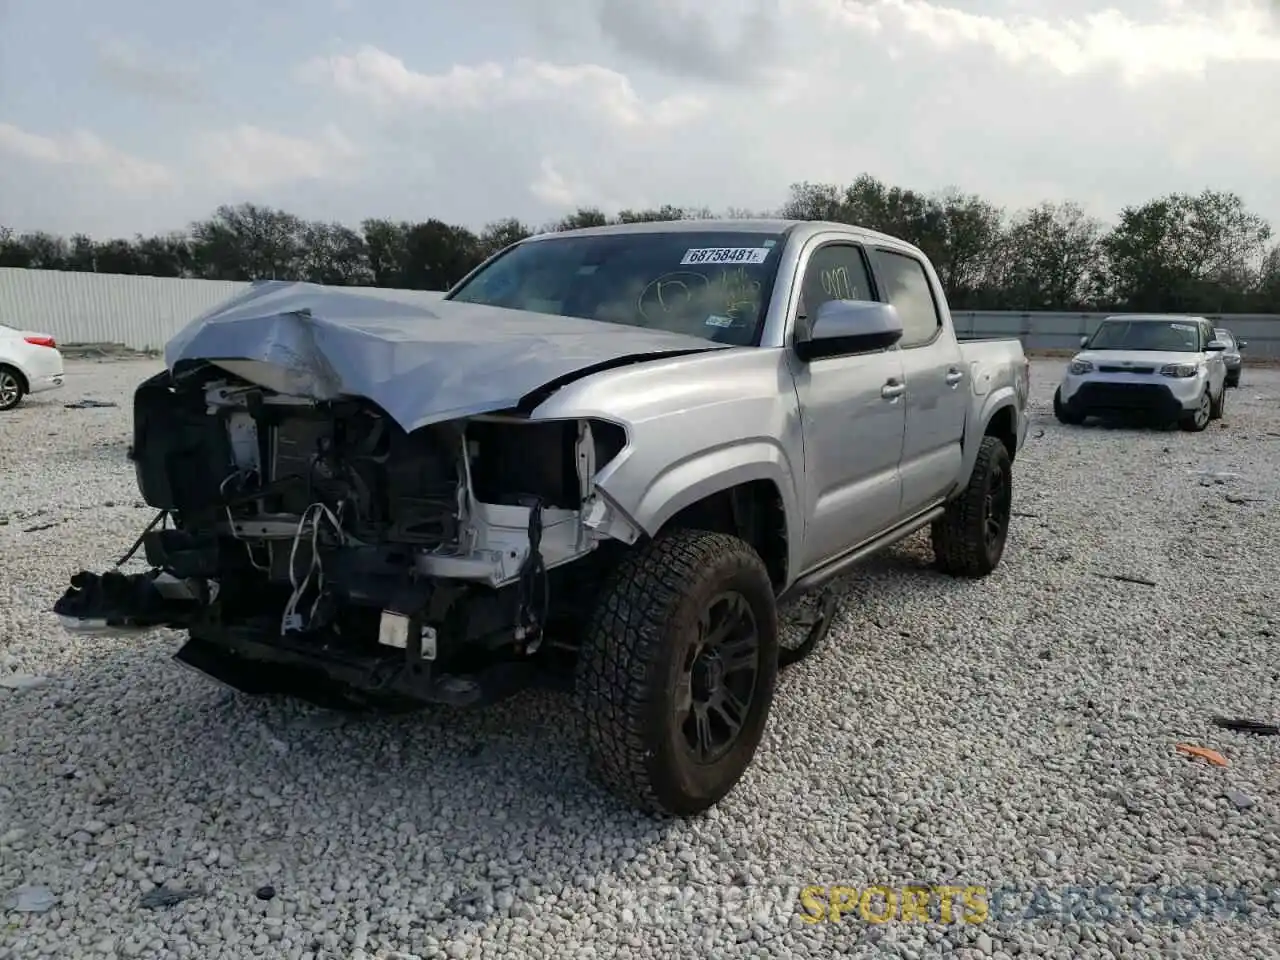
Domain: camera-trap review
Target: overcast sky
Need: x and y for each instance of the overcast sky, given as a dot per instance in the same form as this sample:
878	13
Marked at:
138	116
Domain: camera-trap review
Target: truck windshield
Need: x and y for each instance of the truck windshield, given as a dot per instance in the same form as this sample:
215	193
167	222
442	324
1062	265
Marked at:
714	285
1155	335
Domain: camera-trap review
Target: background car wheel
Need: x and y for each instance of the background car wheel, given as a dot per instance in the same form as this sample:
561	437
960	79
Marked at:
1063	412
1196	420
1234	379
969	539
12	388
677	671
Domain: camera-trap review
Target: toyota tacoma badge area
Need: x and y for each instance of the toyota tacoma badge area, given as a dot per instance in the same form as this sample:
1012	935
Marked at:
602	462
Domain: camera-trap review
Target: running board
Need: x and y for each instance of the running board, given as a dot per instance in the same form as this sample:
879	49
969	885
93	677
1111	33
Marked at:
834	568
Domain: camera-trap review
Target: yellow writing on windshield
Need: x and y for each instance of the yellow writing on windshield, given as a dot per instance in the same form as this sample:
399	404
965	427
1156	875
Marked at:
670	293
738	291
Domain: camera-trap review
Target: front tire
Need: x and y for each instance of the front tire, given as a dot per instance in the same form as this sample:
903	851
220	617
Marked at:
12	388
1194	421
1064	413
1219	407
969	539
677	671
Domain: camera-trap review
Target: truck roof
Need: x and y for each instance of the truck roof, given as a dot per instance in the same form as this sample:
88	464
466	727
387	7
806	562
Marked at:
1164	317
760	225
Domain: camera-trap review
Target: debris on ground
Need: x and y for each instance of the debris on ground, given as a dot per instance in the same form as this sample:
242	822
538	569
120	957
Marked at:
88	404
30	899
42	526
1236	498
165	897
1204	753
1128	578
1210	477
1241	801
21	681
1240	725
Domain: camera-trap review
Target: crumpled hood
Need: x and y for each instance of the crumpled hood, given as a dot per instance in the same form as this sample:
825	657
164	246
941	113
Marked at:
422	364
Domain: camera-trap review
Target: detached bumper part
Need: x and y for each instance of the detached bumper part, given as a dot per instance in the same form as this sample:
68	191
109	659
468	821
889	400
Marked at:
114	602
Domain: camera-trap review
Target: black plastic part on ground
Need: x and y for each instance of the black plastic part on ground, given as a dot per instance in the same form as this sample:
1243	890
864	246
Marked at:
818	629
123	600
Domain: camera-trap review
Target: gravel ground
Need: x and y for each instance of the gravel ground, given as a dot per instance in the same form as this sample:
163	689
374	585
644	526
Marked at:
1016	734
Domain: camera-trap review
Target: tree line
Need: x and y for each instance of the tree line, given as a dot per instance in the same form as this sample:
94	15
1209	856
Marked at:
1201	253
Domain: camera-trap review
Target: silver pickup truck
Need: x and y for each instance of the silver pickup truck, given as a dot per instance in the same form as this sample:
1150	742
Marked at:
602	460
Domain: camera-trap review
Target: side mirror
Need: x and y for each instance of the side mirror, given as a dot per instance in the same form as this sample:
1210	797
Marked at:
1241	344
850	326
1083	341
1215	346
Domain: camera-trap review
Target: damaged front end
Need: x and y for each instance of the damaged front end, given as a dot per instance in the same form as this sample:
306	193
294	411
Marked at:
314	546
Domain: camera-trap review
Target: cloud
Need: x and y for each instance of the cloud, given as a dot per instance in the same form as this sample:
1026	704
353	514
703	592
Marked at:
1012	98
553	189
1187	42
252	158
600	103
87	153
120	64
695	40
386	82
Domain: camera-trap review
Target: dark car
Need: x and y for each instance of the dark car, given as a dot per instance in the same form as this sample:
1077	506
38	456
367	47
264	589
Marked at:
1231	357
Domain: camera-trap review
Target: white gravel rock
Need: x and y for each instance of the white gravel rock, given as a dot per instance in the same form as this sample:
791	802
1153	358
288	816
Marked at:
1015	733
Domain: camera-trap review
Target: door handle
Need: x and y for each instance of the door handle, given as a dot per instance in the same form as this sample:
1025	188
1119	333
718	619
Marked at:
954	376
893	390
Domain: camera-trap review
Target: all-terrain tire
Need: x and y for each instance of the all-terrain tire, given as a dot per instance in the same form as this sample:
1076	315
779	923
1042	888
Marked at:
1197	420
12	387
636	646
1063	412
961	543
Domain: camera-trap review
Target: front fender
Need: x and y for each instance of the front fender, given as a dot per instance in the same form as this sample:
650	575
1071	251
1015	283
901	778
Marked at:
710	471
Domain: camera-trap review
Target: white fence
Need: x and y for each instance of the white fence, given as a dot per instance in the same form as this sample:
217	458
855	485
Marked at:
142	313
1062	331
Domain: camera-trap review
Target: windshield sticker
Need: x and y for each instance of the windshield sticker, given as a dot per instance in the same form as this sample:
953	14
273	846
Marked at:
716	320
1183	326
725	255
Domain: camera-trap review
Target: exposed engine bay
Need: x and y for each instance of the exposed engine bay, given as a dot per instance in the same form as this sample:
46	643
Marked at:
294	533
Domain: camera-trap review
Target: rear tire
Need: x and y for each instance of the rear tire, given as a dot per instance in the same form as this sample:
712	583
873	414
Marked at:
969	539
683	645
1064	413
12	387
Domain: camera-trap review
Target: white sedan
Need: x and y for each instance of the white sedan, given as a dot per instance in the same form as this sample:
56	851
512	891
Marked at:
29	363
